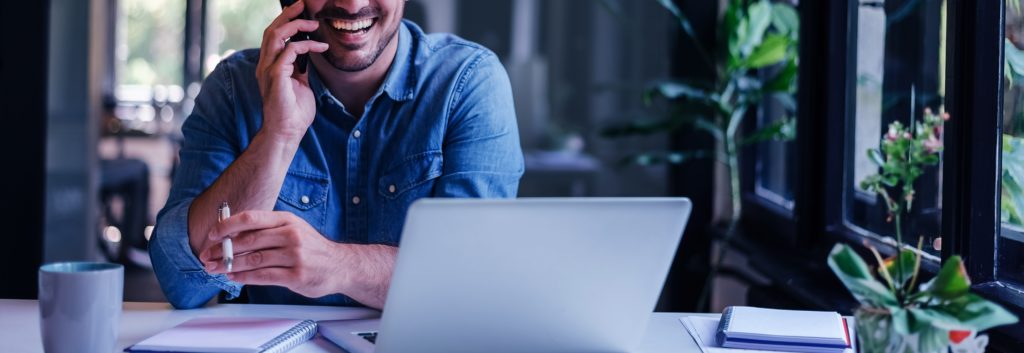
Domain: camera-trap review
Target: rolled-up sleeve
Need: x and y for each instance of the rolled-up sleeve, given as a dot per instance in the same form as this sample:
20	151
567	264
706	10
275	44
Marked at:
211	144
482	155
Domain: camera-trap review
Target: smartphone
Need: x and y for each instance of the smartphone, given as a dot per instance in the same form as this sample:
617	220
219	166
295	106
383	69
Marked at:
303	59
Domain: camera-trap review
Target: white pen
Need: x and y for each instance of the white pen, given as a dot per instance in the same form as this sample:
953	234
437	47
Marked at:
229	253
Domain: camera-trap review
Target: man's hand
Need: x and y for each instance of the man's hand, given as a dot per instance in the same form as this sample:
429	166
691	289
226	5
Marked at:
280	249
288	103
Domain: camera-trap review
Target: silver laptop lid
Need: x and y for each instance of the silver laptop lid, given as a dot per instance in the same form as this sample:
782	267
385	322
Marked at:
530	275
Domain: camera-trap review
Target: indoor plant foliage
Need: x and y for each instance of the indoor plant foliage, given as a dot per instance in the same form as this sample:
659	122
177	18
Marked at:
899	312
756	60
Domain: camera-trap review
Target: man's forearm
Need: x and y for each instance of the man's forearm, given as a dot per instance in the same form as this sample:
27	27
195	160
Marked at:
367	270
251	182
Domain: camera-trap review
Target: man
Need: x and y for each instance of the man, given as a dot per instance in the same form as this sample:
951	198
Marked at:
323	166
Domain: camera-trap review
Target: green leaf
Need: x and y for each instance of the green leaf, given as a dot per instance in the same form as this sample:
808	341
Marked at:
785	19
858	278
876	156
976	313
901	321
759	17
951	282
676	90
769	52
907	259
1014	58
780	130
785	80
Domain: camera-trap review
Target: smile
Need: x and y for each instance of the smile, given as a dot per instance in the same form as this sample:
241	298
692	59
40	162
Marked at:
356	26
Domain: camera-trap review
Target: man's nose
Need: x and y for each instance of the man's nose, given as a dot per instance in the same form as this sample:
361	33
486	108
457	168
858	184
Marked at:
352	6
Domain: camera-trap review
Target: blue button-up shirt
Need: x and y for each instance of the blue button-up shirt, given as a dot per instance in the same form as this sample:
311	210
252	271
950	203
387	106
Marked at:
441	125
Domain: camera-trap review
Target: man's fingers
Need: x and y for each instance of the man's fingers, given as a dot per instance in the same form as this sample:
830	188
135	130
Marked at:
245	242
270	276
275	40
254	260
287	14
247	221
286	60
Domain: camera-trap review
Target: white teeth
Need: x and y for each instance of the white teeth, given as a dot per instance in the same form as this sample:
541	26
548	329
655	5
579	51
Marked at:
351	25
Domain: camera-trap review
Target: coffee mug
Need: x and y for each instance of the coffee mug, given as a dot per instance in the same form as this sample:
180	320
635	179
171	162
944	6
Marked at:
80	306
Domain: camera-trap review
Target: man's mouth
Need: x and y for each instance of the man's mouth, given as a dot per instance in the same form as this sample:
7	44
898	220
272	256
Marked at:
353	27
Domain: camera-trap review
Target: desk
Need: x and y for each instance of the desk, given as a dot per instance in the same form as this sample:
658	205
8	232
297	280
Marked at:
19	324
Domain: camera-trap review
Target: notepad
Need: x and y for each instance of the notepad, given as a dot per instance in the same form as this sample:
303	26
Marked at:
230	335
783	330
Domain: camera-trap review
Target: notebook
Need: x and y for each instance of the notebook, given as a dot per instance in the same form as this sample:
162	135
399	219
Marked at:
230	335
703	330
783	330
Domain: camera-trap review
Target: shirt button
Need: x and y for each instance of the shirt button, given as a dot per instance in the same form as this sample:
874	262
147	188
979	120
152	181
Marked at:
357	134
391	188
355	200
304	199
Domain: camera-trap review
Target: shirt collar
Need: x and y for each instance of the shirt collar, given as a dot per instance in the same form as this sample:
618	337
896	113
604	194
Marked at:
400	80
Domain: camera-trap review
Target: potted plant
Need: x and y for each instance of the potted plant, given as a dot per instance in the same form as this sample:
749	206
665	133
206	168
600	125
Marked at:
899	312
755	61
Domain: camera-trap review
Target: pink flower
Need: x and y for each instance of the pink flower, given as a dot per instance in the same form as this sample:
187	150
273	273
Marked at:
892	135
906	135
932	144
945	116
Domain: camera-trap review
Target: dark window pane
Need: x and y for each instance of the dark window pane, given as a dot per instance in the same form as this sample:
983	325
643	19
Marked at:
900	73
1010	262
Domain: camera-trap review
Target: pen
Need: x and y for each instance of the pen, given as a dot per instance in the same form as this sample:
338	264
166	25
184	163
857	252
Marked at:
229	253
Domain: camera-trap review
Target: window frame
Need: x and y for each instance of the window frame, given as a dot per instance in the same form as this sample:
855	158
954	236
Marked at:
973	150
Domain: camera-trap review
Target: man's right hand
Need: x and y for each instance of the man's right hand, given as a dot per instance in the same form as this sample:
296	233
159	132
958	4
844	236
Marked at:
288	103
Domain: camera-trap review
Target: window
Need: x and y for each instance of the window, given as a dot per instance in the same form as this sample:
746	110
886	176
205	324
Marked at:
1010	262
774	157
899	73
233	25
150	47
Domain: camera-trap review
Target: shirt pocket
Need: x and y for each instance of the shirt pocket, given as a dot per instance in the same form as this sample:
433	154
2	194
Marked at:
305	195
413	172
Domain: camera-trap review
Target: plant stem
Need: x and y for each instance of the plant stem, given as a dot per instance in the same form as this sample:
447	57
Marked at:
901	290
732	158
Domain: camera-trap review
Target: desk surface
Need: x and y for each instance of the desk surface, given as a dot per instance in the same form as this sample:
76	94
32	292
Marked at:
19	324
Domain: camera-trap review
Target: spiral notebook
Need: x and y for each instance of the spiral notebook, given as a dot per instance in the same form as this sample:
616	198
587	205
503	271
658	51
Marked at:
230	335
783	330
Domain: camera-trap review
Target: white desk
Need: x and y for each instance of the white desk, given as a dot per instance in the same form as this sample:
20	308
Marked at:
19	324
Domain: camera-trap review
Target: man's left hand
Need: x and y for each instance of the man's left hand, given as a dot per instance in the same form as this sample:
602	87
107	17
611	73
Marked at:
276	248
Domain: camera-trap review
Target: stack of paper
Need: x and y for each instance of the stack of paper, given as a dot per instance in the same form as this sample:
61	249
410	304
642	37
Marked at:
704	330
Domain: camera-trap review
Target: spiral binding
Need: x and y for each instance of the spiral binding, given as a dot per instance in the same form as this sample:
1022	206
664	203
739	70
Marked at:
302	332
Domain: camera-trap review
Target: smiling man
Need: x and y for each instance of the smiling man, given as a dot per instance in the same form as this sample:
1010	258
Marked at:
324	165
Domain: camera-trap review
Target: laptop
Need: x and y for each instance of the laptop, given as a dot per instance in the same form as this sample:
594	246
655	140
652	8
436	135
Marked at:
525	275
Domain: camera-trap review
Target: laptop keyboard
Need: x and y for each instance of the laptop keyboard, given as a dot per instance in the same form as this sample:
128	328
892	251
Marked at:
369	336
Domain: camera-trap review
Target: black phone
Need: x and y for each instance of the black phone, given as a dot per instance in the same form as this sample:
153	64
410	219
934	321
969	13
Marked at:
303	59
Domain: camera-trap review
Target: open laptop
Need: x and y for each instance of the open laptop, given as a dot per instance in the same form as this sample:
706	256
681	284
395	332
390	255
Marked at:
526	275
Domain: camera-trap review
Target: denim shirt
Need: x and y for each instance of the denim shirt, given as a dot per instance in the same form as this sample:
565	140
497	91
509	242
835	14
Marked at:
442	124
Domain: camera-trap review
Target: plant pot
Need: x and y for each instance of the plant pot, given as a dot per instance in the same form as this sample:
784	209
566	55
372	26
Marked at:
876	333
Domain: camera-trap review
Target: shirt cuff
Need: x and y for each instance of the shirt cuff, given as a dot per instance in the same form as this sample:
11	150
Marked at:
171	236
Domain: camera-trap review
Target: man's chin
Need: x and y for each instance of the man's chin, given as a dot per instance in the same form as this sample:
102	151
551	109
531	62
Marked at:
349	61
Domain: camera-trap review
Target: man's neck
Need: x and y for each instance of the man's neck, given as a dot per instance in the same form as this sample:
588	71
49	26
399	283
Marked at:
354	89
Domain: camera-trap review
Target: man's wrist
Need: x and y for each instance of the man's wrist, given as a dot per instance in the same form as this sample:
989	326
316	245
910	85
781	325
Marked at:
287	141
